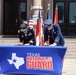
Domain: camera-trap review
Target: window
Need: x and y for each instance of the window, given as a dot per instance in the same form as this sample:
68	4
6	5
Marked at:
60	6
22	9
72	12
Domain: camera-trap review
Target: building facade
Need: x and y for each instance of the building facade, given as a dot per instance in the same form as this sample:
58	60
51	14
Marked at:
13	11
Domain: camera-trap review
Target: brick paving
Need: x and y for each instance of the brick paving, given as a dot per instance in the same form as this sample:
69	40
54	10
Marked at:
70	57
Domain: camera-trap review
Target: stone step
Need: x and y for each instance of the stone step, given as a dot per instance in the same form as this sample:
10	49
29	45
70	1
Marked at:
70	44
69	67
9	41
71	53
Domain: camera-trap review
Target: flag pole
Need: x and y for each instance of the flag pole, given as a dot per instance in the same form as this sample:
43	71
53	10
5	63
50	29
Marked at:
48	17
39	34
30	24
48	6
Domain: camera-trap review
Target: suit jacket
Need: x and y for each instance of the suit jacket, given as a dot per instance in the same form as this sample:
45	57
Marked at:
55	35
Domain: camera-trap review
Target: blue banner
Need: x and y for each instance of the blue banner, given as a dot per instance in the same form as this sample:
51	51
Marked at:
32	59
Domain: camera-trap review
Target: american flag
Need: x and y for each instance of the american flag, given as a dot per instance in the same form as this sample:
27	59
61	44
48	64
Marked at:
30	24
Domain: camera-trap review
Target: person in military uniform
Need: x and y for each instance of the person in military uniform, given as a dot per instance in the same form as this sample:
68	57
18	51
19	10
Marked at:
29	38
54	33
21	31
26	35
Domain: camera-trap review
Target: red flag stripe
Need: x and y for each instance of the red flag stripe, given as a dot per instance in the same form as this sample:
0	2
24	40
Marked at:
38	28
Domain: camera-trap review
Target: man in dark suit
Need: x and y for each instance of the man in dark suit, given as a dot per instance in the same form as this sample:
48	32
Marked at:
54	33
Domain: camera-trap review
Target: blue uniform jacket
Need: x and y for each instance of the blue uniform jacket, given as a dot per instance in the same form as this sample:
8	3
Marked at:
29	36
55	35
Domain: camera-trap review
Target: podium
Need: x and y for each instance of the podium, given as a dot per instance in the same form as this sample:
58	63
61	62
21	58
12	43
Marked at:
36	60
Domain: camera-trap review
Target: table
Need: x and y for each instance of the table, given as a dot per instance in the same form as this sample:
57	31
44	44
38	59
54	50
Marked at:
32	59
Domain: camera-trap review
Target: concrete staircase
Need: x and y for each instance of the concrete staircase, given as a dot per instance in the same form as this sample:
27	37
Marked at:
70	57
8	40
71	47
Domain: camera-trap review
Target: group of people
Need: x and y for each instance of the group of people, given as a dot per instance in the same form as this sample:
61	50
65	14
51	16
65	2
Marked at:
27	34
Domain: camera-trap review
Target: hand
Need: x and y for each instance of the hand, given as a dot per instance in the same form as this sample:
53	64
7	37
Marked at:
27	44
31	41
45	44
54	44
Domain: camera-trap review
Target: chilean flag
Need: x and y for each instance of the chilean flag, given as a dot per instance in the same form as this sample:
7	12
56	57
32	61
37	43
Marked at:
38	29
56	15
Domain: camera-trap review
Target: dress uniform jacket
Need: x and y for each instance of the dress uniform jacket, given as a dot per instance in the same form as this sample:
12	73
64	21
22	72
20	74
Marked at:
21	31
29	37
55	35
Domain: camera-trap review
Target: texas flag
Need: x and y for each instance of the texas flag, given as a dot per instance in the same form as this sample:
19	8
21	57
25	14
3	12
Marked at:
41	43
38	29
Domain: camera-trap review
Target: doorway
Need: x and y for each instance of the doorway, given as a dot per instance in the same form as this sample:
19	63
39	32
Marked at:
14	12
67	16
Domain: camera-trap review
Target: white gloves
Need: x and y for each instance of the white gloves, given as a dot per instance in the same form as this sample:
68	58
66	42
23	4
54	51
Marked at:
31	41
54	44
45	44
27	44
